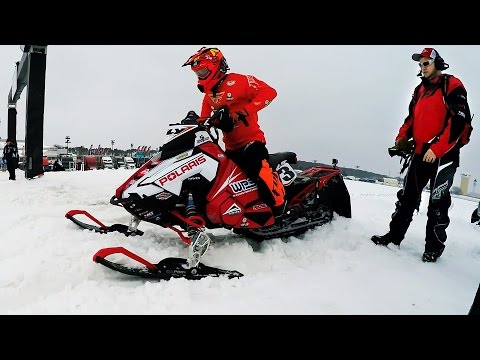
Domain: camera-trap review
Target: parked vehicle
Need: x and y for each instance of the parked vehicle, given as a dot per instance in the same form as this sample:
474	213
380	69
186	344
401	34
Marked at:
119	162
129	162
107	162
68	162
90	162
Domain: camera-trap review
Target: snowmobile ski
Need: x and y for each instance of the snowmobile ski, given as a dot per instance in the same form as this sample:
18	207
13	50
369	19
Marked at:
165	270
101	228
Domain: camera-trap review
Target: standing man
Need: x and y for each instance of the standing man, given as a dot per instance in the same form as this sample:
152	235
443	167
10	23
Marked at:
439	122
10	155
241	97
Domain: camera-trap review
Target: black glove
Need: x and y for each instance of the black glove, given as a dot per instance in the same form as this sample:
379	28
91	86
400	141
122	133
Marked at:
401	148
404	145
241	116
222	120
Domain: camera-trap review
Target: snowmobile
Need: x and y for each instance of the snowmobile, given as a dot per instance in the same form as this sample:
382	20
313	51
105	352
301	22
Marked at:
190	186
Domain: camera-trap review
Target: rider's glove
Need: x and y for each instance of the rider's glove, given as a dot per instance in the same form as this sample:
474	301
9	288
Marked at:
240	116
221	119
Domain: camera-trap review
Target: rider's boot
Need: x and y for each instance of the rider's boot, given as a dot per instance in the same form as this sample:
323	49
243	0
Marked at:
275	188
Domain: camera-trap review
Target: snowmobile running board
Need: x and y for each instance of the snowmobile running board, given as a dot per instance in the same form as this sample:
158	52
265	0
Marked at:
101	228
165	270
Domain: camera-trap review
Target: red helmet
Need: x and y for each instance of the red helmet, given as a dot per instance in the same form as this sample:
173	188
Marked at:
209	65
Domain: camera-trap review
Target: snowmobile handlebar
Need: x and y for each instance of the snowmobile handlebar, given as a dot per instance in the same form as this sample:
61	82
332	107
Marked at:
205	122
220	119
193	119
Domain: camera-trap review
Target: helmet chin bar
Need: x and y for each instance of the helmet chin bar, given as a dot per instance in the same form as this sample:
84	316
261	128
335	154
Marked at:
203	73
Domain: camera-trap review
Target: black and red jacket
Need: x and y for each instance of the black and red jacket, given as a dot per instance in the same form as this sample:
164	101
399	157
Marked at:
434	123
241	93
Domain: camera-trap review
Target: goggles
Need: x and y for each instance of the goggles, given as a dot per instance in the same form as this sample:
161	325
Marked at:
426	63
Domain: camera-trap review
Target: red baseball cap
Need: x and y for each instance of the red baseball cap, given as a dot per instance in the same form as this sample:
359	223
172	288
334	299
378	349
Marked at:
427	52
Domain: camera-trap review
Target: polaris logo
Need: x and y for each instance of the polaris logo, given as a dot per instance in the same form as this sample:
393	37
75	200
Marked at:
171	176
243	186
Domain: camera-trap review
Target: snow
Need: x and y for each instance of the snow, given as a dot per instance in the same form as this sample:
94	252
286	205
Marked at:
46	264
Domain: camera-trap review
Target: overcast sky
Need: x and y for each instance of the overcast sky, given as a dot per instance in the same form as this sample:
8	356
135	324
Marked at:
334	101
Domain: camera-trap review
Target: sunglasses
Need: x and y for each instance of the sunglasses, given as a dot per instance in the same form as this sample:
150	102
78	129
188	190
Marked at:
426	63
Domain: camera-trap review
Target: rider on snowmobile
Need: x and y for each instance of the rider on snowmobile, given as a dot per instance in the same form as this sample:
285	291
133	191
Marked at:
236	99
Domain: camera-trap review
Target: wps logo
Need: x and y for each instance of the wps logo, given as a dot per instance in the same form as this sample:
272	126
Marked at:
172	175
243	186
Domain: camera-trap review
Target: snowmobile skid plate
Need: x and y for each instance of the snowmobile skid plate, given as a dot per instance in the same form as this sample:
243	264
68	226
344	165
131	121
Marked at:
165	270
100	227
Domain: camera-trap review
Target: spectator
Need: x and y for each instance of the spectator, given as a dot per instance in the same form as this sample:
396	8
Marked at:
10	156
438	114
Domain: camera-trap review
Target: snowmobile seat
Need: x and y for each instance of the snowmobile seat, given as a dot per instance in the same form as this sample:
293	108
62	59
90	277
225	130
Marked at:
277	158
300	182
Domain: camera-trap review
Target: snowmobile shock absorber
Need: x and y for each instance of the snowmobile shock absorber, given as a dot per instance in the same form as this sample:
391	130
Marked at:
190	212
199	239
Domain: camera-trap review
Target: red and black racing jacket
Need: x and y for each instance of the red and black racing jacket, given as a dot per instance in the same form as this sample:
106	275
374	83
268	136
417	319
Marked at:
241	93
434	123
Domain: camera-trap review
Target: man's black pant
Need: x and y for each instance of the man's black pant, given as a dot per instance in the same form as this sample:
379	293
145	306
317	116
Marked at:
440	174
11	169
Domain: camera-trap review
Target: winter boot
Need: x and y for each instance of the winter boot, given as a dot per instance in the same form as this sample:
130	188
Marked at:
431	256
276	190
386	239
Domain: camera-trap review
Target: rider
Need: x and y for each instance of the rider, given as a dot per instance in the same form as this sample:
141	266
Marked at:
239	97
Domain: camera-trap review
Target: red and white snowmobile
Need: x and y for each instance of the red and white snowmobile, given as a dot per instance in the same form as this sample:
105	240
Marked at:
191	186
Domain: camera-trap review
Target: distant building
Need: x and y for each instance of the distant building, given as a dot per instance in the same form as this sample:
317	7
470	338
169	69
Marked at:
390	182
464	180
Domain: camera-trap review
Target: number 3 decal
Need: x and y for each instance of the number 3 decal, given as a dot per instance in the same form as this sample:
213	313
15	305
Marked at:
286	173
